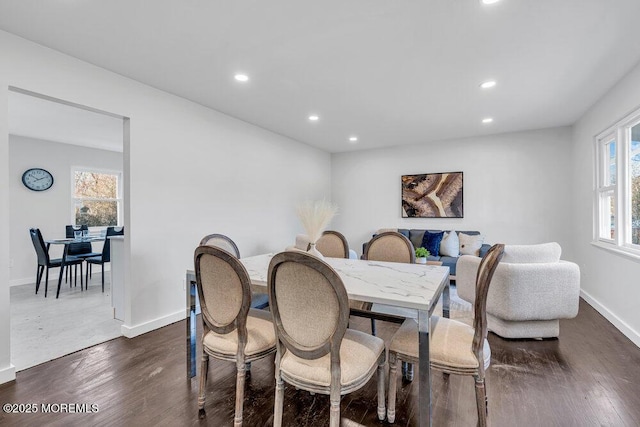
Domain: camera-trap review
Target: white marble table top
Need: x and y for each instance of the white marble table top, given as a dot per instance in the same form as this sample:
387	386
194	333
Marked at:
397	284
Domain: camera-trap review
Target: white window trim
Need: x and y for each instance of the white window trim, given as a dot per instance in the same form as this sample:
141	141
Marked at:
118	198
621	133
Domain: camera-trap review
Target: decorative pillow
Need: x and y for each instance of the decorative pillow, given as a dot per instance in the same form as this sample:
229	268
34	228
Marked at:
450	245
431	242
470	245
416	237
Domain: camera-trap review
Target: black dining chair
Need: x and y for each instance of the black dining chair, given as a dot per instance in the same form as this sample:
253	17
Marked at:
105	256
45	262
80	249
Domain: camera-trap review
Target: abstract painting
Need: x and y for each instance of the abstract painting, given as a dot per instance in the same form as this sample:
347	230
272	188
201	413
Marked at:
432	195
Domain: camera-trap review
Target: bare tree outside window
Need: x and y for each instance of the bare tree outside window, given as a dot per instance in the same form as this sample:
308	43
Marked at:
96	199
634	166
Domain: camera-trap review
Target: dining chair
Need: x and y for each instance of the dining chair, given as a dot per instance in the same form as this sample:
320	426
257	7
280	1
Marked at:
232	330
455	348
388	246
316	351
105	256
45	262
258	300
333	244
79	249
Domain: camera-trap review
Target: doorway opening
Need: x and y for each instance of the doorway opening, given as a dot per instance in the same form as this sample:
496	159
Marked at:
62	138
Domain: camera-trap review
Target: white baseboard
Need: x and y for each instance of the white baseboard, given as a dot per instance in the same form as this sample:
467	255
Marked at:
620	324
7	374
53	278
143	328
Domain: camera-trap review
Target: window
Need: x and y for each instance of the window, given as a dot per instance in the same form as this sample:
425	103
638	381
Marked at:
96	197
617	197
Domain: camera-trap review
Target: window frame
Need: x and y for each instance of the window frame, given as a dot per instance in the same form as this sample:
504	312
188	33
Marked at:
621	242
118	198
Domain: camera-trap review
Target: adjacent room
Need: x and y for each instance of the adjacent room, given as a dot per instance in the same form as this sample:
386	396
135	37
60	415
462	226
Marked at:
341	213
82	150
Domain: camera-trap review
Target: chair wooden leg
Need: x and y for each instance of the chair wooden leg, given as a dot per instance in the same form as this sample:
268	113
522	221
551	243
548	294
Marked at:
75	273
102	278
334	412
240	376
409	375
204	370
381	408
279	400
393	384
481	401
81	277
86	277
373	327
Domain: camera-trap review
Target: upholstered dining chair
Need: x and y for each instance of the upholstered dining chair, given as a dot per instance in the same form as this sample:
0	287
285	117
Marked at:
316	351
232	330
45	262
455	348
333	244
223	242
388	246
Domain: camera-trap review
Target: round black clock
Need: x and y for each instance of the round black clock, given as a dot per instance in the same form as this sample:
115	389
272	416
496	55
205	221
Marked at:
37	179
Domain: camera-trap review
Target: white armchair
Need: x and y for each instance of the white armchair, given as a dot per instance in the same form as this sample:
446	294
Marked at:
531	290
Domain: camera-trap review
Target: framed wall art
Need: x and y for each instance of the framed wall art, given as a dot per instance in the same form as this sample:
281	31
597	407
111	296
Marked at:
432	195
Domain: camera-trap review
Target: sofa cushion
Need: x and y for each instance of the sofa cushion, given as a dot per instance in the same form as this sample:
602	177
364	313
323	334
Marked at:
470	245
448	261
416	237
450	245
544	252
404	232
431	241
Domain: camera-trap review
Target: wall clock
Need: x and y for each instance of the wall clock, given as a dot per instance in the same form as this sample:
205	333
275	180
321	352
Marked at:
37	179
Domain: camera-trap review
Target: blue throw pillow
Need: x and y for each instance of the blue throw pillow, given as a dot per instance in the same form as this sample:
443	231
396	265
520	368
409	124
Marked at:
431	242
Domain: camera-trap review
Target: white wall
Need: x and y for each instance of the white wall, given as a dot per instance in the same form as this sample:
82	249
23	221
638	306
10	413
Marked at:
48	210
190	170
516	186
609	281
7	370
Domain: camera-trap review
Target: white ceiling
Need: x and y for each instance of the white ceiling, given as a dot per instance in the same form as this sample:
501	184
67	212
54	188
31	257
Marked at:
39	118
390	72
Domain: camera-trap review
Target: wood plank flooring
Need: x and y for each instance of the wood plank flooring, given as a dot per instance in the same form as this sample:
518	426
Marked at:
589	376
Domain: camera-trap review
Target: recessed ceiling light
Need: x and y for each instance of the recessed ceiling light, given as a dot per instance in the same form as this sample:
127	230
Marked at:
489	1
487	120
488	84
241	77
353	139
314	118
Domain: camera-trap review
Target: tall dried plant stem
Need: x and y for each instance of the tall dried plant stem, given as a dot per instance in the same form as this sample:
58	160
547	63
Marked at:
315	217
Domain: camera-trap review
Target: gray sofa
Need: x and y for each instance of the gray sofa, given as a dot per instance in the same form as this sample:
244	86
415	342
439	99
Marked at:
416	235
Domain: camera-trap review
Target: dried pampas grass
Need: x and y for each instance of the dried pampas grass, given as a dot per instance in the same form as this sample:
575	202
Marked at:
315	217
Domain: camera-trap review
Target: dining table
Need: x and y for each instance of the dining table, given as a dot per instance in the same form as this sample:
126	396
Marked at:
66	242
416	287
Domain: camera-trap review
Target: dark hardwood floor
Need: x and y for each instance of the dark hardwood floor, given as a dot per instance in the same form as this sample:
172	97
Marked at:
589	376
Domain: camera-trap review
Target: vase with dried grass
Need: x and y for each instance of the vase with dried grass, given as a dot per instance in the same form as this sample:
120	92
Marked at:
315	217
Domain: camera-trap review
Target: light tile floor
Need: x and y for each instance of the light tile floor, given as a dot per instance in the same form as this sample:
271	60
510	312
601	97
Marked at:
44	329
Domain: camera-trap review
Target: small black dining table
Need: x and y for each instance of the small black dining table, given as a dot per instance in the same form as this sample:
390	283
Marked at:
66	243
